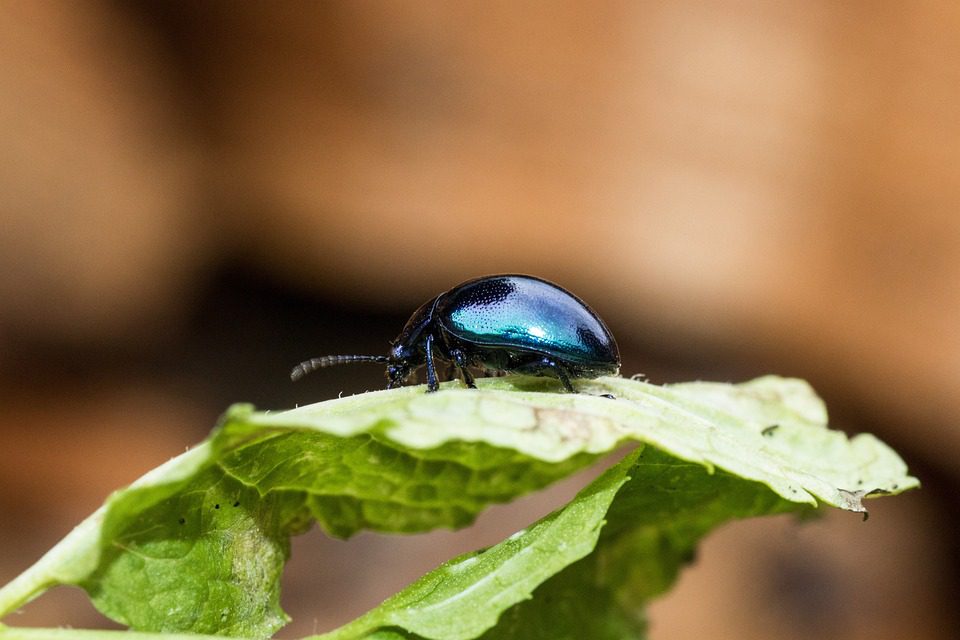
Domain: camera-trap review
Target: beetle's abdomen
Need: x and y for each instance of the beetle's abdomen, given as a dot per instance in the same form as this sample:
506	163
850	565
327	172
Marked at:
527	314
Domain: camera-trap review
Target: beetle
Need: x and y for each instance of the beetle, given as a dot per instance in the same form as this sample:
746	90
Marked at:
505	323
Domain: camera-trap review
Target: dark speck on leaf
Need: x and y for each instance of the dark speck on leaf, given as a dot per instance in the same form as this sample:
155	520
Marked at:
216	506
182	520
768	431
237	503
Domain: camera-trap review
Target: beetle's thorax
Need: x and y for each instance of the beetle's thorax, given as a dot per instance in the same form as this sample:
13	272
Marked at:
406	347
405	354
407	350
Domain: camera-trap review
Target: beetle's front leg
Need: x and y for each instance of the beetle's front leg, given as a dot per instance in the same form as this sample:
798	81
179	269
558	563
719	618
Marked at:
432	384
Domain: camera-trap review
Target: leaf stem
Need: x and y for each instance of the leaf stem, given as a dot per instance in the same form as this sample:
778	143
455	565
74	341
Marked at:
43	574
60	633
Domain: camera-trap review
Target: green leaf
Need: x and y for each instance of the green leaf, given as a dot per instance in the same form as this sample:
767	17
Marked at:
464	597
583	571
208	559
198	544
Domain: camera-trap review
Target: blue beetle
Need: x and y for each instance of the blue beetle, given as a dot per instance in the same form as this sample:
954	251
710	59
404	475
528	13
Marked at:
509	323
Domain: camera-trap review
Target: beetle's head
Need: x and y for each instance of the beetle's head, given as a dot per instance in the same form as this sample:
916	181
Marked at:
400	362
396	374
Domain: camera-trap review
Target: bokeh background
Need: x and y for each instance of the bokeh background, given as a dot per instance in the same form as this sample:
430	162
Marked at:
196	195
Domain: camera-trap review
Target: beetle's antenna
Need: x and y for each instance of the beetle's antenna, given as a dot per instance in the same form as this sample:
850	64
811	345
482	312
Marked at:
308	366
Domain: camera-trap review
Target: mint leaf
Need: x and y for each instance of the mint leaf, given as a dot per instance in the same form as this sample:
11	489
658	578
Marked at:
583	571
464	597
207	560
368	481
198	544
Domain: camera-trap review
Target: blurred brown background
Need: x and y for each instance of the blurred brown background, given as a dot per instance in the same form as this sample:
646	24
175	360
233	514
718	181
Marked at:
195	196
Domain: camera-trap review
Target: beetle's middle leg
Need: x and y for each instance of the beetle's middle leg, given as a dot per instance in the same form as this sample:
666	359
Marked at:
461	360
